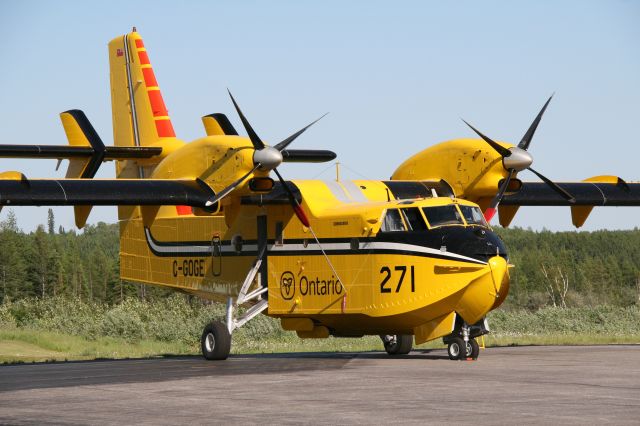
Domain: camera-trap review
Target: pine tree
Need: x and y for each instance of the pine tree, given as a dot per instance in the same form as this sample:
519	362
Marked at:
51	222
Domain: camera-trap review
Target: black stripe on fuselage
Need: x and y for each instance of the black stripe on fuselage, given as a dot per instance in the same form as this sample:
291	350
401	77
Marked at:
384	243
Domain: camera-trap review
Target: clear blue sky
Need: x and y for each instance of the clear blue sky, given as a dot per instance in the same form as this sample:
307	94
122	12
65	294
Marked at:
396	77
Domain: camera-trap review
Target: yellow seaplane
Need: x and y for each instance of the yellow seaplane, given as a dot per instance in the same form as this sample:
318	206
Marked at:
411	259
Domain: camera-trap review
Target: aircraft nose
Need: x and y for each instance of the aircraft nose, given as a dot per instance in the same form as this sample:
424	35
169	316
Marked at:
500	277
486	244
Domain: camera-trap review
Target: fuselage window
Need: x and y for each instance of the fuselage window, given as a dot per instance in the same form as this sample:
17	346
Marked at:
443	215
413	217
473	215
392	221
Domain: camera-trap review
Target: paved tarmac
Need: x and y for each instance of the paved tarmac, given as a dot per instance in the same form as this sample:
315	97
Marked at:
517	385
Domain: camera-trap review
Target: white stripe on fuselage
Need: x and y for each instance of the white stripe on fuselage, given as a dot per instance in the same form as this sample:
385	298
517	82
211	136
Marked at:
187	249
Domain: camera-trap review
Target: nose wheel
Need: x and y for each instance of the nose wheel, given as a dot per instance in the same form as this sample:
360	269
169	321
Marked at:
458	349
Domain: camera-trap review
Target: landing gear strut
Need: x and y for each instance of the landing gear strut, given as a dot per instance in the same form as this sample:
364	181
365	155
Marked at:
216	337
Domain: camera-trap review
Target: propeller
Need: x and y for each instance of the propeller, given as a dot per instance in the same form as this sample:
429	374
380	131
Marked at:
516	159
264	158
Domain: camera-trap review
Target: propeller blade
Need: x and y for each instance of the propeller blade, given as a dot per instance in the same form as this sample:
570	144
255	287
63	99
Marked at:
220	195
297	209
493	207
555	187
255	139
504	152
285	143
526	139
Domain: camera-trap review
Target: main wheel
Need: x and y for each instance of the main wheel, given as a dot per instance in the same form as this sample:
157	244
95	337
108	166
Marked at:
215	341
457	349
397	344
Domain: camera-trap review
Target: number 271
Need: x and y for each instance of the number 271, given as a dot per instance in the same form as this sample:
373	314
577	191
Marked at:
403	271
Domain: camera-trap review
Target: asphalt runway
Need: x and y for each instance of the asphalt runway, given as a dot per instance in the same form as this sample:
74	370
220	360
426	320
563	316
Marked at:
517	385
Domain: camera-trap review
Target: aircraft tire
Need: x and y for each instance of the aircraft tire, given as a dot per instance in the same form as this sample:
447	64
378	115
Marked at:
475	349
215	341
456	349
402	344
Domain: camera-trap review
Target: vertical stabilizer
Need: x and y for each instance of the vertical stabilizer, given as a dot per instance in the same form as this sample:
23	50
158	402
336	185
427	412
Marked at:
145	121
140	116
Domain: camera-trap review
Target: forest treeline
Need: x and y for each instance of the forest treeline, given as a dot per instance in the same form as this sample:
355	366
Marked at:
563	269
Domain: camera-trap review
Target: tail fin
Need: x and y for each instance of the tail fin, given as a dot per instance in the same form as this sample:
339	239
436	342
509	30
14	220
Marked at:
140	117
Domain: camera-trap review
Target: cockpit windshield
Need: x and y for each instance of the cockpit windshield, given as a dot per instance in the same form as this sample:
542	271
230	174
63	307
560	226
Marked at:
392	221
410	219
473	215
414	219
443	215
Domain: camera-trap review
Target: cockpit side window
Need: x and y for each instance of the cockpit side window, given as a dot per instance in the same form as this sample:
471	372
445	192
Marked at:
392	221
443	215
473	215
414	219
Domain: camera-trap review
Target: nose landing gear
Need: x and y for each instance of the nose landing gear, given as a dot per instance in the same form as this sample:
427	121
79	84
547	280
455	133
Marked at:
459	350
461	344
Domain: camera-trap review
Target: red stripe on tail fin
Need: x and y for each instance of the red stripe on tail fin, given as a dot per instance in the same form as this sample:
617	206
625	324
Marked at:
144	58
157	104
149	77
165	129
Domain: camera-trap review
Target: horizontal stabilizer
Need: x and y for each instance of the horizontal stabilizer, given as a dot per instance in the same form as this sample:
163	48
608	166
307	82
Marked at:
64	151
85	151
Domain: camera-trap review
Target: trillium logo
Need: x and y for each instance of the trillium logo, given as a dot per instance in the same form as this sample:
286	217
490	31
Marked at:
287	285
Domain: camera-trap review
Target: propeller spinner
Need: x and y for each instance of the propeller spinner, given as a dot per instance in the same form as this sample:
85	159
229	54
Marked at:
516	159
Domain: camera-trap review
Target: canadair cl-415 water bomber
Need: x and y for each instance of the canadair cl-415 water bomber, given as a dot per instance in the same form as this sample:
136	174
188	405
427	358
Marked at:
411	259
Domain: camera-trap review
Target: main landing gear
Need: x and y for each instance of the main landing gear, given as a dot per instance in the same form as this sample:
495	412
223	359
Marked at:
397	344
461	344
215	341
216	336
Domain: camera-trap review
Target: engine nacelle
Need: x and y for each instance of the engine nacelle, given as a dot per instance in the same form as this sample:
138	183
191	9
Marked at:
470	166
